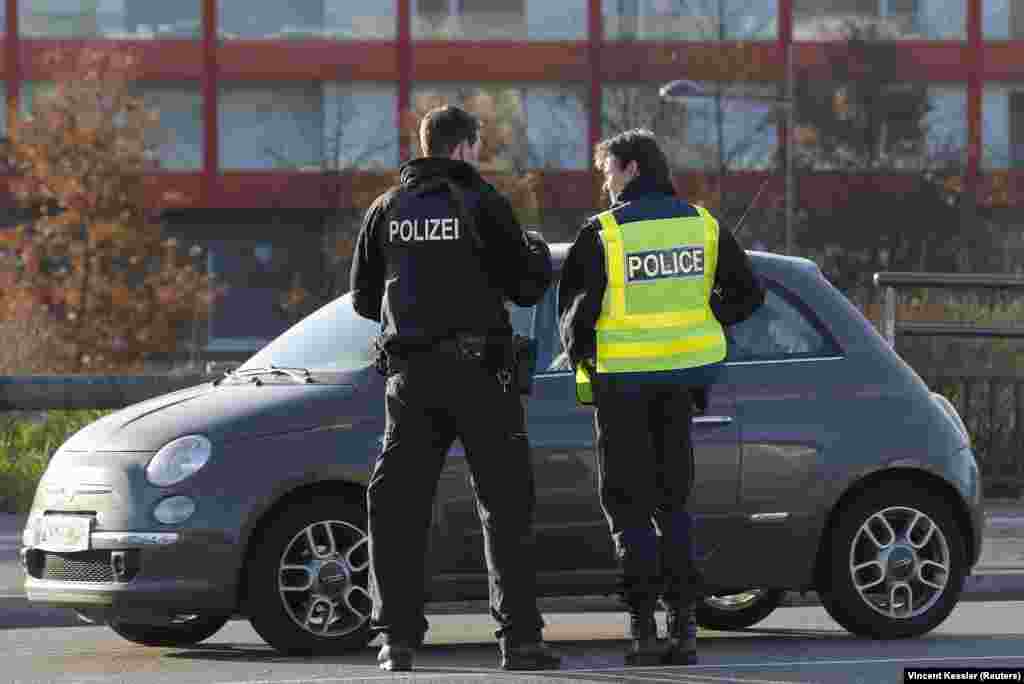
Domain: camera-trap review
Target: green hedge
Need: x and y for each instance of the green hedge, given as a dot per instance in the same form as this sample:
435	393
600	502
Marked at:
27	441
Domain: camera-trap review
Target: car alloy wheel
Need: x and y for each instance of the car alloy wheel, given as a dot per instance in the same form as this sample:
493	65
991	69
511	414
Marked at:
307	578
899	562
737	611
896	562
322	578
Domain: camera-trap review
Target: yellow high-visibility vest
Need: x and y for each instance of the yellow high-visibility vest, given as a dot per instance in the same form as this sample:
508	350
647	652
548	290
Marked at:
656	314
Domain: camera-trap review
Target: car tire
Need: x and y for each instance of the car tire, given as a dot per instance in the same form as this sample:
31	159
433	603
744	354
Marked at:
182	634
738	611
329	616
888	597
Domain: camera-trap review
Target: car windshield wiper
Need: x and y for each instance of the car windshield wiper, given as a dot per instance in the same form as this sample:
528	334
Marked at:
297	374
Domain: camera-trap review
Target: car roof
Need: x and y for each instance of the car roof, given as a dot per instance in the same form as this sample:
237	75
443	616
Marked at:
761	261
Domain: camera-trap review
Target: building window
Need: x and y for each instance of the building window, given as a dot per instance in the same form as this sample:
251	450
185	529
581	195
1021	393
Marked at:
539	127
304	19
307	127
176	142
110	19
825	20
1002	112
252	278
697	20
1002	19
945	125
736	130
499	19
271	126
359	126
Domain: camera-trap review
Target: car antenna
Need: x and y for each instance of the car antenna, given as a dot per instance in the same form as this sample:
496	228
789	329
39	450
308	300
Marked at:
739	224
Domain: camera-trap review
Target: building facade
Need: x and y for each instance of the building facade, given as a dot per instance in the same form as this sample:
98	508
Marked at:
278	111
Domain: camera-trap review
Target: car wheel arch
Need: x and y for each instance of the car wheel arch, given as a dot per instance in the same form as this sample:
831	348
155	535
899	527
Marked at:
910	475
299	494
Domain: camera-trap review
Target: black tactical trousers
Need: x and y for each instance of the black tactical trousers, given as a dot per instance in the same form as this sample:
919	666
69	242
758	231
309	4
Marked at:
432	400
645	477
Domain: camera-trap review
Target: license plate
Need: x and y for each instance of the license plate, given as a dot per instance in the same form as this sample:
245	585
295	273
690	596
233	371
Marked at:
64	533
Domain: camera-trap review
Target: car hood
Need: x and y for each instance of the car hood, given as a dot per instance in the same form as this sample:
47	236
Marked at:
227	412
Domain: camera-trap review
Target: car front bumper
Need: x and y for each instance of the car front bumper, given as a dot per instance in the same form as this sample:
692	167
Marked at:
143	575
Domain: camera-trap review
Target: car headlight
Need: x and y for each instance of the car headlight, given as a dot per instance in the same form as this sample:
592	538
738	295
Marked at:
179	460
954	416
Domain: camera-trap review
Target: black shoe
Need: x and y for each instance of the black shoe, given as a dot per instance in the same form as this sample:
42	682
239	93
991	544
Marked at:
530	656
395	657
644	648
682	635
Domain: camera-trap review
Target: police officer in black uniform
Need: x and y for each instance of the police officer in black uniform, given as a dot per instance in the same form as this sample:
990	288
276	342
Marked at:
643	419
436	259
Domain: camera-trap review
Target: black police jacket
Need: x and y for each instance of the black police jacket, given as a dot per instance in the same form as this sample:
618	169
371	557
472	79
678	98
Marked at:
428	264
584	277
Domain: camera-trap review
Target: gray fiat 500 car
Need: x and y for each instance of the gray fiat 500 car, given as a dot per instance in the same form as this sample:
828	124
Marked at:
823	463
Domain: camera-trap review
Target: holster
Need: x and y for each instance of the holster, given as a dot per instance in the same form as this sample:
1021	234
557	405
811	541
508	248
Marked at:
515	354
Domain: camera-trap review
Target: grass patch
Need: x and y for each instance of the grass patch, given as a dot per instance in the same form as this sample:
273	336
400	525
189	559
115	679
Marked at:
28	440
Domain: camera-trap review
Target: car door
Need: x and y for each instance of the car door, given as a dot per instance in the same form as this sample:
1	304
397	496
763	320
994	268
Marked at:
571	525
780	362
572	535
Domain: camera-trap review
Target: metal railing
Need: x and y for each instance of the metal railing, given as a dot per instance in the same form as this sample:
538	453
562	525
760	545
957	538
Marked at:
990	402
890	280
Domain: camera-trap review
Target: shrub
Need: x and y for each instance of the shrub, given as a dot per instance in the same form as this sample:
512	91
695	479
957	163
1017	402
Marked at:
27	442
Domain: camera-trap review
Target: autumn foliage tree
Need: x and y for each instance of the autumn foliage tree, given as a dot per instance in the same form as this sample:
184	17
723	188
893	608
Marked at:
857	116
94	262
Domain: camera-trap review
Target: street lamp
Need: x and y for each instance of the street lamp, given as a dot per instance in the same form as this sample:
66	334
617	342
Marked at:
683	89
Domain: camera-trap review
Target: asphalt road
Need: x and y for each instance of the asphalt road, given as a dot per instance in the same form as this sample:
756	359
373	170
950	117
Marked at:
795	644
792	645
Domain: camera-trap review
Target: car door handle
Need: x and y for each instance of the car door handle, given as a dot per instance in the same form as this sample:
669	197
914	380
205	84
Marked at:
712	420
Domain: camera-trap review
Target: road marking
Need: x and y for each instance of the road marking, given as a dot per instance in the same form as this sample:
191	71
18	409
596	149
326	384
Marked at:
391	677
1005	520
684	678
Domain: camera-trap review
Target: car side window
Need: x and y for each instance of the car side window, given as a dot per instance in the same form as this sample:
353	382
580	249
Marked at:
779	330
551	356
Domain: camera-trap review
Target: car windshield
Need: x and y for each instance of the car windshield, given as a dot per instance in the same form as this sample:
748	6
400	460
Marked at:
332	338
335	338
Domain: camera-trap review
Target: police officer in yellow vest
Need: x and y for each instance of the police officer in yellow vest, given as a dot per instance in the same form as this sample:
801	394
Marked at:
645	292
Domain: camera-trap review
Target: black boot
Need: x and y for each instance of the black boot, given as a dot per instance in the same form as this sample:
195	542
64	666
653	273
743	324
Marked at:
644	648
534	655
395	656
682	634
